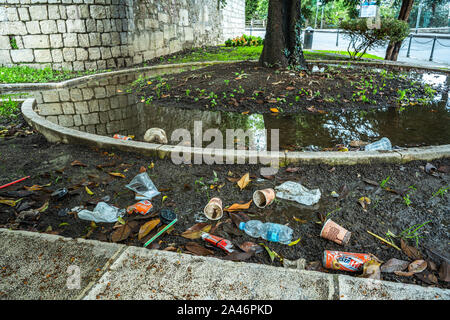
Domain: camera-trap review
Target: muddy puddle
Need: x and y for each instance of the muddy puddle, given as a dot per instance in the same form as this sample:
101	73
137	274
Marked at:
108	106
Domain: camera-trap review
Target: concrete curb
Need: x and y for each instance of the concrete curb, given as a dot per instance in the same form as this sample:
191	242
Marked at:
56	133
115	271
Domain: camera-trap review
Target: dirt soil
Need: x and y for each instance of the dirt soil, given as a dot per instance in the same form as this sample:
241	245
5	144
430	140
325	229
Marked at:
52	167
247	88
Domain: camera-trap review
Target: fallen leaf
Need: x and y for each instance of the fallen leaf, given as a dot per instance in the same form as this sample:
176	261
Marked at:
444	169
238	207
411	252
196	230
244	181
293	243
444	272
238	256
299	220
274	110
427	277
147	227
292	170
272	253
116	174
121	233
44	207
417	266
11	203
404	273
198	249
393	265
89	192
251	247
371	270
290	88
364	202
142	169
36	187
357	143
78	163
238	217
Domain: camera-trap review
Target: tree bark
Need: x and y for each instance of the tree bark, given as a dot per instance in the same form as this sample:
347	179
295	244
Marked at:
282	45
393	48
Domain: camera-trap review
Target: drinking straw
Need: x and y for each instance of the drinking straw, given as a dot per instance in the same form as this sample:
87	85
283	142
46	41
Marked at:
11	183
159	233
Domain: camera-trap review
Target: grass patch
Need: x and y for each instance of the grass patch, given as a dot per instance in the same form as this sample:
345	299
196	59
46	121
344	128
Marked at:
23	74
9	109
345	53
219	54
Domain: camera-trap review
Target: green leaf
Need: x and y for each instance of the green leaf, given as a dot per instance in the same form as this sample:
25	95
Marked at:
293	243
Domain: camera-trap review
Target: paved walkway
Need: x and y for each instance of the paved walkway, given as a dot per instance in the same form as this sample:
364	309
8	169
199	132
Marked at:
43	266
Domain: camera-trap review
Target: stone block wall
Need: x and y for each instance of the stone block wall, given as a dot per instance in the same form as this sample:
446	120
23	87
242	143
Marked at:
101	34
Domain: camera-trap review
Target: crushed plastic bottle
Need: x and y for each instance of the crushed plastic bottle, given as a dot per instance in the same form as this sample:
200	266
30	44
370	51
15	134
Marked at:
103	212
291	190
382	144
270	231
143	186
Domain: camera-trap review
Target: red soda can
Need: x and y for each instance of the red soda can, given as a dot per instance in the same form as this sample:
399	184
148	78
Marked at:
219	242
347	261
120	137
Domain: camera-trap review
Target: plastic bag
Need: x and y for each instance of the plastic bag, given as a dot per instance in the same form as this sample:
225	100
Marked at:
295	191
143	186
103	212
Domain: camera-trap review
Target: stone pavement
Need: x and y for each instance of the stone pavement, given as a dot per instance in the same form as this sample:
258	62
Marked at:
42	266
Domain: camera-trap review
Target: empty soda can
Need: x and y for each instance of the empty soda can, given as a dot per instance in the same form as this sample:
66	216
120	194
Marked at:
263	198
346	261
167	216
334	232
143	207
213	209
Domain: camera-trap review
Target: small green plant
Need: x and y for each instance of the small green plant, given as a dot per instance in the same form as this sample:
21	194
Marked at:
384	182
441	192
413	232
13	43
188	92
226	82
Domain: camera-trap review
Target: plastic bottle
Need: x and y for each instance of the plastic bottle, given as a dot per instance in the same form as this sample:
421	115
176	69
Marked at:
382	144
270	231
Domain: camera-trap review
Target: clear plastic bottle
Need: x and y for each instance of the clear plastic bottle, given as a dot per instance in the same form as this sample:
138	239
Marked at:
270	231
382	144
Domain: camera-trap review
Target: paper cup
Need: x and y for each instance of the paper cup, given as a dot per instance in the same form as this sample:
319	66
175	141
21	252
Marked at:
334	232
213	209
263	198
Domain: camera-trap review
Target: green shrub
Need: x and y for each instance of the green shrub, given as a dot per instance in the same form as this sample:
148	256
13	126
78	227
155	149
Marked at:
363	36
244	40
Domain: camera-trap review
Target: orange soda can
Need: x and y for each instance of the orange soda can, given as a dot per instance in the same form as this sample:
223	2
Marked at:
219	242
346	261
143	207
120	137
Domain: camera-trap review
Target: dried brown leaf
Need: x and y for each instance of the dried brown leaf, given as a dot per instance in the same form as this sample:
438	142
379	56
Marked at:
196	230
147	227
198	249
244	181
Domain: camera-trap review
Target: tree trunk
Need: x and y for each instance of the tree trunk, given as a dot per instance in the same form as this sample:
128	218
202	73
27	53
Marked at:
282	45
393	48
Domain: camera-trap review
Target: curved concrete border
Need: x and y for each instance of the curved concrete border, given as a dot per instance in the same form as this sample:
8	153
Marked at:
57	133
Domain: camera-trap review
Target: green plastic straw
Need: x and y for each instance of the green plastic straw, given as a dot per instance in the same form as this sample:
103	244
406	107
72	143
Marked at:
159	233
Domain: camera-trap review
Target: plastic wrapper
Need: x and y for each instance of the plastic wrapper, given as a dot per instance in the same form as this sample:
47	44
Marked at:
382	144
103	212
294	191
143	186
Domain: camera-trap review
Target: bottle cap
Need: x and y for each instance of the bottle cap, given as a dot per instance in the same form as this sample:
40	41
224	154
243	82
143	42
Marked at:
242	225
